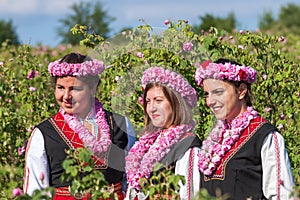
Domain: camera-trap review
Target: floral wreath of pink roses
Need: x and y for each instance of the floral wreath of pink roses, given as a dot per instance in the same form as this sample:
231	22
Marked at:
173	80
225	71
89	67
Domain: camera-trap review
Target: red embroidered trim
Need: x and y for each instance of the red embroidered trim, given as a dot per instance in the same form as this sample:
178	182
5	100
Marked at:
277	165
190	176
186	135
247	134
26	170
72	139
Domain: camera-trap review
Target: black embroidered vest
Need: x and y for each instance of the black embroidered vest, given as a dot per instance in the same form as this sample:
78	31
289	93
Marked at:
242	170
55	148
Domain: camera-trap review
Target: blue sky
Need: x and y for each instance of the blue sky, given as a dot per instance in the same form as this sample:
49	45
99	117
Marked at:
36	21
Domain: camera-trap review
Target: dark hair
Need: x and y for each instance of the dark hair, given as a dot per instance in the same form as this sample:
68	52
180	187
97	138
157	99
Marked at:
78	58
237	83
181	110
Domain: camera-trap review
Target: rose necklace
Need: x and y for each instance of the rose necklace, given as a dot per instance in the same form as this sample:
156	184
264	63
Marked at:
221	139
149	150
90	141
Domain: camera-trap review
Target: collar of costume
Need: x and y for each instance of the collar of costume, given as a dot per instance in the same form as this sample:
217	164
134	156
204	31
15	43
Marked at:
90	67
89	140
149	150
225	71
221	139
172	80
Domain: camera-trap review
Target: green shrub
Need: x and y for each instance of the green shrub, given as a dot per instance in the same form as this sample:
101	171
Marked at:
25	102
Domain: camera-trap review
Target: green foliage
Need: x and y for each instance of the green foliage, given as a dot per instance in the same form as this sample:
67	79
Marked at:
79	167
286	22
275	94
276	58
24	103
8	33
163	184
266	21
45	194
90	14
289	17
228	23
90	39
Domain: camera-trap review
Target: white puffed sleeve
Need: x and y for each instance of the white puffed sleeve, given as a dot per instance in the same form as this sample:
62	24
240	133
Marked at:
36	166
187	166
277	174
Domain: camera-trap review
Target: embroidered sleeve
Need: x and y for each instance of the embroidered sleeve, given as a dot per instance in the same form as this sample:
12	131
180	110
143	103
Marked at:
277	174
190	172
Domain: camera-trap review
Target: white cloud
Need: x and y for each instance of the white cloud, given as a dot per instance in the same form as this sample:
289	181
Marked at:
18	6
33	7
57	6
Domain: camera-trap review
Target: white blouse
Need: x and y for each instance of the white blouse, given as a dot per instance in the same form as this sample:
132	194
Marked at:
274	155
273	145
37	164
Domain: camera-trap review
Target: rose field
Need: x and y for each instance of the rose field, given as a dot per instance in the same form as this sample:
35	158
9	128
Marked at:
26	96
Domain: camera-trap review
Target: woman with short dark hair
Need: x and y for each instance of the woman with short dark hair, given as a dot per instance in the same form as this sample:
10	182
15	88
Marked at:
81	122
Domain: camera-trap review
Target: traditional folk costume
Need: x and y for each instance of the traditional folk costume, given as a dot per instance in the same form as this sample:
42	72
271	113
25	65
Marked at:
46	150
104	133
256	166
176	147
181	156
244	158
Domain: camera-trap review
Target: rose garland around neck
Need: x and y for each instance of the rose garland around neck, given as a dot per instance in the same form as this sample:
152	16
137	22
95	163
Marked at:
90	141
149	150
221	139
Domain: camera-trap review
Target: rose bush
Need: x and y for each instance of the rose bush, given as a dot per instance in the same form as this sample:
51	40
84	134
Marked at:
26	97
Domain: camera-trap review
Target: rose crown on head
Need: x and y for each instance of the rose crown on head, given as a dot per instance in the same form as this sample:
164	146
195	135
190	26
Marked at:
92	67
226	71
173	80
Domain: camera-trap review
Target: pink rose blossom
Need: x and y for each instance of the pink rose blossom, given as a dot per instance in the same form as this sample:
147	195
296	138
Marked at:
173	80
141	100
89	67
282	116
32	89
280	126
225	71
89	141
17	192
217	148
22	149
140	54
267	109
264	76
149	150
31	74
187	46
